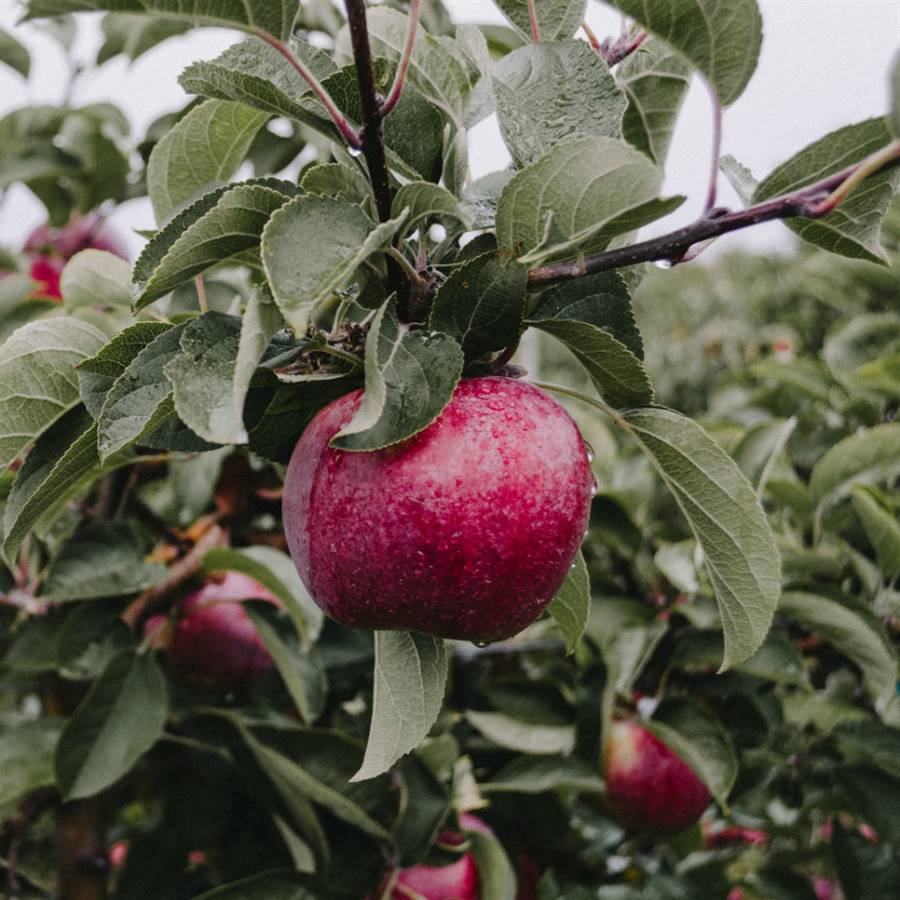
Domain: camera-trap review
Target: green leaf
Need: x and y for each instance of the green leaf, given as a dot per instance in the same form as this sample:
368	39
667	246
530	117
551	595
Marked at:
423	807
855	633
202	150
426	201
544	93
410	377
481	304
14	54
544	774
26	758
336	180
739	177
94	278
275	570
723	42
277	884
577	198
870	742
557	19
726	518
496	877
864	458
571	604
760	448
219	226
602	299
615	371
133	35
410	678
38	382
853	228
701	741
521	736
336	237
439	70
102	559
655	80
874	795
118	721
98	373
882	529
865	870
274	16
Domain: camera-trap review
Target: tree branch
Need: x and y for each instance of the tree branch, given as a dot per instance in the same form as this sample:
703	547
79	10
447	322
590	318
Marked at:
403	67
348	133
810	202
372	134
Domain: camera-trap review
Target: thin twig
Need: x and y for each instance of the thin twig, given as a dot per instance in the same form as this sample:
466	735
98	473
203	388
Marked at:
344	127
532	17
593	40
403	67
202	302
716	151
810	202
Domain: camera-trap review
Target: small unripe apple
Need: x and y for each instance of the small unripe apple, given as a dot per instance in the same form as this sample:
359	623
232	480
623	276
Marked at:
214	641
49	249
648	786
466	530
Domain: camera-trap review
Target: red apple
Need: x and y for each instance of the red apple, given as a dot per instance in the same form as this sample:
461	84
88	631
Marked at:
647	785
466	530
213	640
50	249
117	854
825	888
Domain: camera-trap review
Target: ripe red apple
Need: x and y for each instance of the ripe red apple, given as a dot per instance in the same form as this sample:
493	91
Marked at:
49	249
647	785
214	641
466	530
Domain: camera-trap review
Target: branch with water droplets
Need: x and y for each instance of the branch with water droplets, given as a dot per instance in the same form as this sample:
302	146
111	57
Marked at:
811	202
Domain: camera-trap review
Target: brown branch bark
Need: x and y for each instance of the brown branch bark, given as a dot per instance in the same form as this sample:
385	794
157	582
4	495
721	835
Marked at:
83	866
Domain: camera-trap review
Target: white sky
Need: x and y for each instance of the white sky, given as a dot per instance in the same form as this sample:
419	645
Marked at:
824	64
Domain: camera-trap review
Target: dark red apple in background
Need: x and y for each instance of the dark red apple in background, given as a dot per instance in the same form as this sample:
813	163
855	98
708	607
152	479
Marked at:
213	640
647	785
466	530
49	249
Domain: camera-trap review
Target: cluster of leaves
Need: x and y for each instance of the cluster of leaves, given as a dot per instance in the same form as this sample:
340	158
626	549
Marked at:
143	421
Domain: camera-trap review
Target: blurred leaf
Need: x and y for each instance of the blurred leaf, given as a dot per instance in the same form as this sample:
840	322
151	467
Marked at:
557	19
203	149
576	198
760	448
26	758
882	529
424	806
875	796
274	16
726	518
337	236
865	870
14	54
699	738
855	633
481	304
221	225
38	382
410	377
853	228
118	721
133	35
410	678
724	47
524	737
273	885
544	93
870	742
544	774
89	637
655	80
571	604
863	458
94	278
496	878
807	376
102	559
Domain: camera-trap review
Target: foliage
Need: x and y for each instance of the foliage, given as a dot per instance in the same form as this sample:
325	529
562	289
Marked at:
737	585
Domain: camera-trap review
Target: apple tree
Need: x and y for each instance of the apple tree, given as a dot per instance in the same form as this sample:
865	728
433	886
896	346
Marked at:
356	693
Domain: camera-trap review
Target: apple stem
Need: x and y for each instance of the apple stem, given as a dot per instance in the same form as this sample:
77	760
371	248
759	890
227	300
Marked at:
809	202
403	67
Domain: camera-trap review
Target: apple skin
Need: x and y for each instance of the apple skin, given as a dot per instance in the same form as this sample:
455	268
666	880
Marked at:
465	531
49	249
214	642
647	785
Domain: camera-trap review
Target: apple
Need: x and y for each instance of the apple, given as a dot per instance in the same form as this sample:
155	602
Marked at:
213	640
116	855
735	834
465	531
648	786
49	249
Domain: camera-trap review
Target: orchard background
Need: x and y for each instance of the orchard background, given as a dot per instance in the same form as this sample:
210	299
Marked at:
708	710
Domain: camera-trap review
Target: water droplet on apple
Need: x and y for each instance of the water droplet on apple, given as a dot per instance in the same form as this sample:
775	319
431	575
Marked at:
589	450
480	644
595	486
